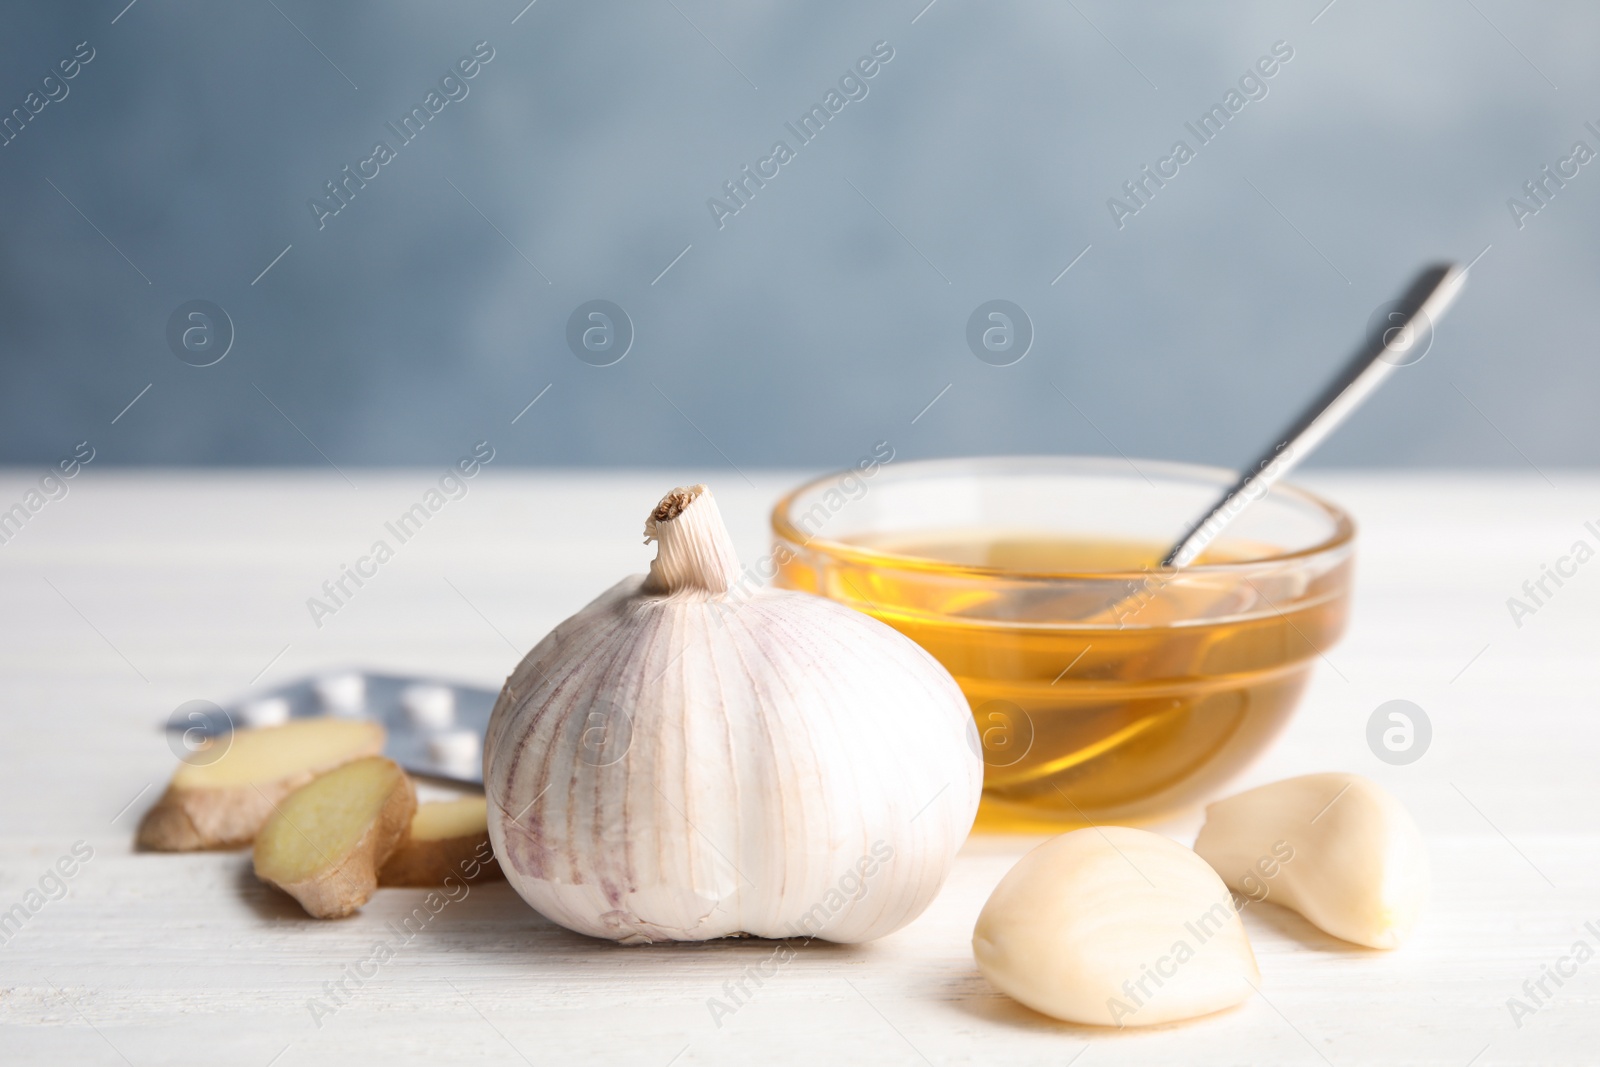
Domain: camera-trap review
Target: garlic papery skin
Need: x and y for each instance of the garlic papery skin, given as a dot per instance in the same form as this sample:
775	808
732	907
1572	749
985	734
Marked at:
1337	848
1111	926
684	760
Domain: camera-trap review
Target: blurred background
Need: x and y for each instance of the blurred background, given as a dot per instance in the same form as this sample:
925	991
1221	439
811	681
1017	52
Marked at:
188	165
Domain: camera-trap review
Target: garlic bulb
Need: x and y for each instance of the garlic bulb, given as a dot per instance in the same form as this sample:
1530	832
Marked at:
681	762
1337	848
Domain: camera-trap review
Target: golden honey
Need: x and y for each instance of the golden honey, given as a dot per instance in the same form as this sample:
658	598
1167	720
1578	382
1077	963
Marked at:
1103	689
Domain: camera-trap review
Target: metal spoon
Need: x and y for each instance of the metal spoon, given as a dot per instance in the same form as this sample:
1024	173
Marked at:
1419	309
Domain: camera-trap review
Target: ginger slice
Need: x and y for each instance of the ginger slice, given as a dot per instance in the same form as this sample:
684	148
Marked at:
224	804
448	839
325	843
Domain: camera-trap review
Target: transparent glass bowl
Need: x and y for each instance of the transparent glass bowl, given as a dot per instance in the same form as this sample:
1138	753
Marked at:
1100	695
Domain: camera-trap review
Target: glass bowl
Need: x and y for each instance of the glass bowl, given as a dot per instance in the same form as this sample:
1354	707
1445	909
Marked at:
1104	688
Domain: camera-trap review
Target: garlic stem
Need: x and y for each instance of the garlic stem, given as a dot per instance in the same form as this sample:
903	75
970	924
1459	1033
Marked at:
693	549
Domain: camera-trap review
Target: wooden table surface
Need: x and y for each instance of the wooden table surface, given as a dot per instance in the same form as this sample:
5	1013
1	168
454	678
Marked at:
138	591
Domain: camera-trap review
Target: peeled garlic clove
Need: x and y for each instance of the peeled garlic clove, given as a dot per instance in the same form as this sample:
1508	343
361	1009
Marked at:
1111	926
695	756
1337	848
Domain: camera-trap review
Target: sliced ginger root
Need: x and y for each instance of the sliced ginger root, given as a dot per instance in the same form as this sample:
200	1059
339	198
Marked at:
225	803
449	838
324	844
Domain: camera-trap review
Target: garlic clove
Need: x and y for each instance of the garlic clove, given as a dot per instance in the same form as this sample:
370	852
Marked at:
1337	848
1111	926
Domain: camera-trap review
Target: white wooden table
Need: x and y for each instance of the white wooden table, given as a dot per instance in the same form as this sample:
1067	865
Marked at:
139	591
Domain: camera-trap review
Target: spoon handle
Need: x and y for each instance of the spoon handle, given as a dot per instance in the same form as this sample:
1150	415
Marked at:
1423	304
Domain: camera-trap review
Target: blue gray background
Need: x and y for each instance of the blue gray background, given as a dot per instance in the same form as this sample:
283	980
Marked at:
830	311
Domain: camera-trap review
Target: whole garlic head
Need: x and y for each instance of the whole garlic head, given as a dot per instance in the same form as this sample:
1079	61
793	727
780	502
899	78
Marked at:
1111	926
1337	848
680	762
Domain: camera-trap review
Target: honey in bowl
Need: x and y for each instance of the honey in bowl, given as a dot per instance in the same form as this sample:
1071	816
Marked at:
1103	688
